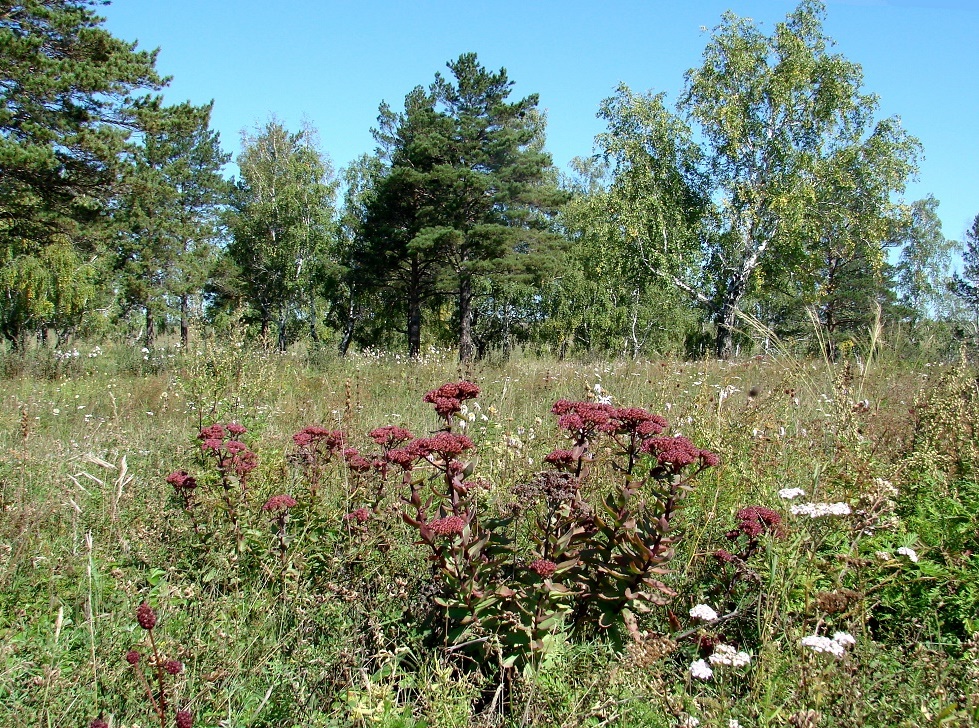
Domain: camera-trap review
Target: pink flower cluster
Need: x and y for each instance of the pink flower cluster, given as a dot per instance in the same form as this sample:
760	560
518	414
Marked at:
232	454
676	453
448	398
281	502
448	526
182	481
319	438
543	567
753	521
390	435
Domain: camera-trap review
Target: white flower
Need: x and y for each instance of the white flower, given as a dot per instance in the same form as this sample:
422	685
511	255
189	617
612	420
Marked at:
689	722
603	399
835	646
703	613
727	655
145	350
701	670
909	552
817	510
733	724
790	493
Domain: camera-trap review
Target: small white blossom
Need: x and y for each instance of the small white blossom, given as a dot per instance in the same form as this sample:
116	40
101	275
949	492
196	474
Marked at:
817	510
844	638
790	493
703	613
701	670
835	646
727	655
909	552
733	724
689	722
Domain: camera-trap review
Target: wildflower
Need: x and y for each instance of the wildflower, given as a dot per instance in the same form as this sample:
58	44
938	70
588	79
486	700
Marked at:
704	613
173	667
753	521
817	510
678	452
390	435
361	515
689	722
790	493
727	655
909	552
98	723
724	556
184	719
146	616
448	526
543	568
280	502
445	444
561	459
732	723
132	657
834	646
236	429
701	670
401	457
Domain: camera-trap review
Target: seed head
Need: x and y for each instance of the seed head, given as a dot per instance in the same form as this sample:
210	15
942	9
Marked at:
184	719
132	657
146	616
173	667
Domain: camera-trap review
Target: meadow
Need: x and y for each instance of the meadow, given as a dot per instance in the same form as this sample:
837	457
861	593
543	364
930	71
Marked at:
225	536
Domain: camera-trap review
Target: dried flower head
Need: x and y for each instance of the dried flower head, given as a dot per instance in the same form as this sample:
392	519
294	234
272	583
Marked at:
173	667
184	719
132	657
146	616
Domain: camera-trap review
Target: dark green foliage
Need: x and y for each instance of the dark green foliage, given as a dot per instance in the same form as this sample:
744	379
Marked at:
467	195
67	108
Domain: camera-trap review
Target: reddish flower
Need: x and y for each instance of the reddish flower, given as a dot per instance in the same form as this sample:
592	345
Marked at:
146	616
678	452
723	556
561	459
445	444
173	667
447	406
543	567
182	480
625	420
235	446
390	435
213	444
448	526
132	657
582	419
280	502
236	429
245	462
98	723
330	440
302	439
753	521
213	432
453	390
401	457
358	464
184	719
361	515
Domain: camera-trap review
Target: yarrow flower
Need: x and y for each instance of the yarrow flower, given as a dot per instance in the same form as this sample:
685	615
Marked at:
818	510
448	526
790	493
543	567
701	670
146	616
280	502
703	612
909	552
728	655
835	646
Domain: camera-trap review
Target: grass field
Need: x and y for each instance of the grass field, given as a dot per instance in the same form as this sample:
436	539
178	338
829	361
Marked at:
338	610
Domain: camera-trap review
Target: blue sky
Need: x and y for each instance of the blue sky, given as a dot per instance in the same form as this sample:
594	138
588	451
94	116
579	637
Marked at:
331	63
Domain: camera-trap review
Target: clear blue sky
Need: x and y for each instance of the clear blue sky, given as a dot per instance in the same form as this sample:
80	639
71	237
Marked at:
332	63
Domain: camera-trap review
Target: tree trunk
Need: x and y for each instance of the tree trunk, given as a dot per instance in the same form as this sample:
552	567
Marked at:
465	319
348	328
150	328
414	328
314	337
184	321
282	332
724	347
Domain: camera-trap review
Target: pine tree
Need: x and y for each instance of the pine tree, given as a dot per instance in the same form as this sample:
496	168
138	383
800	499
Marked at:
67	106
